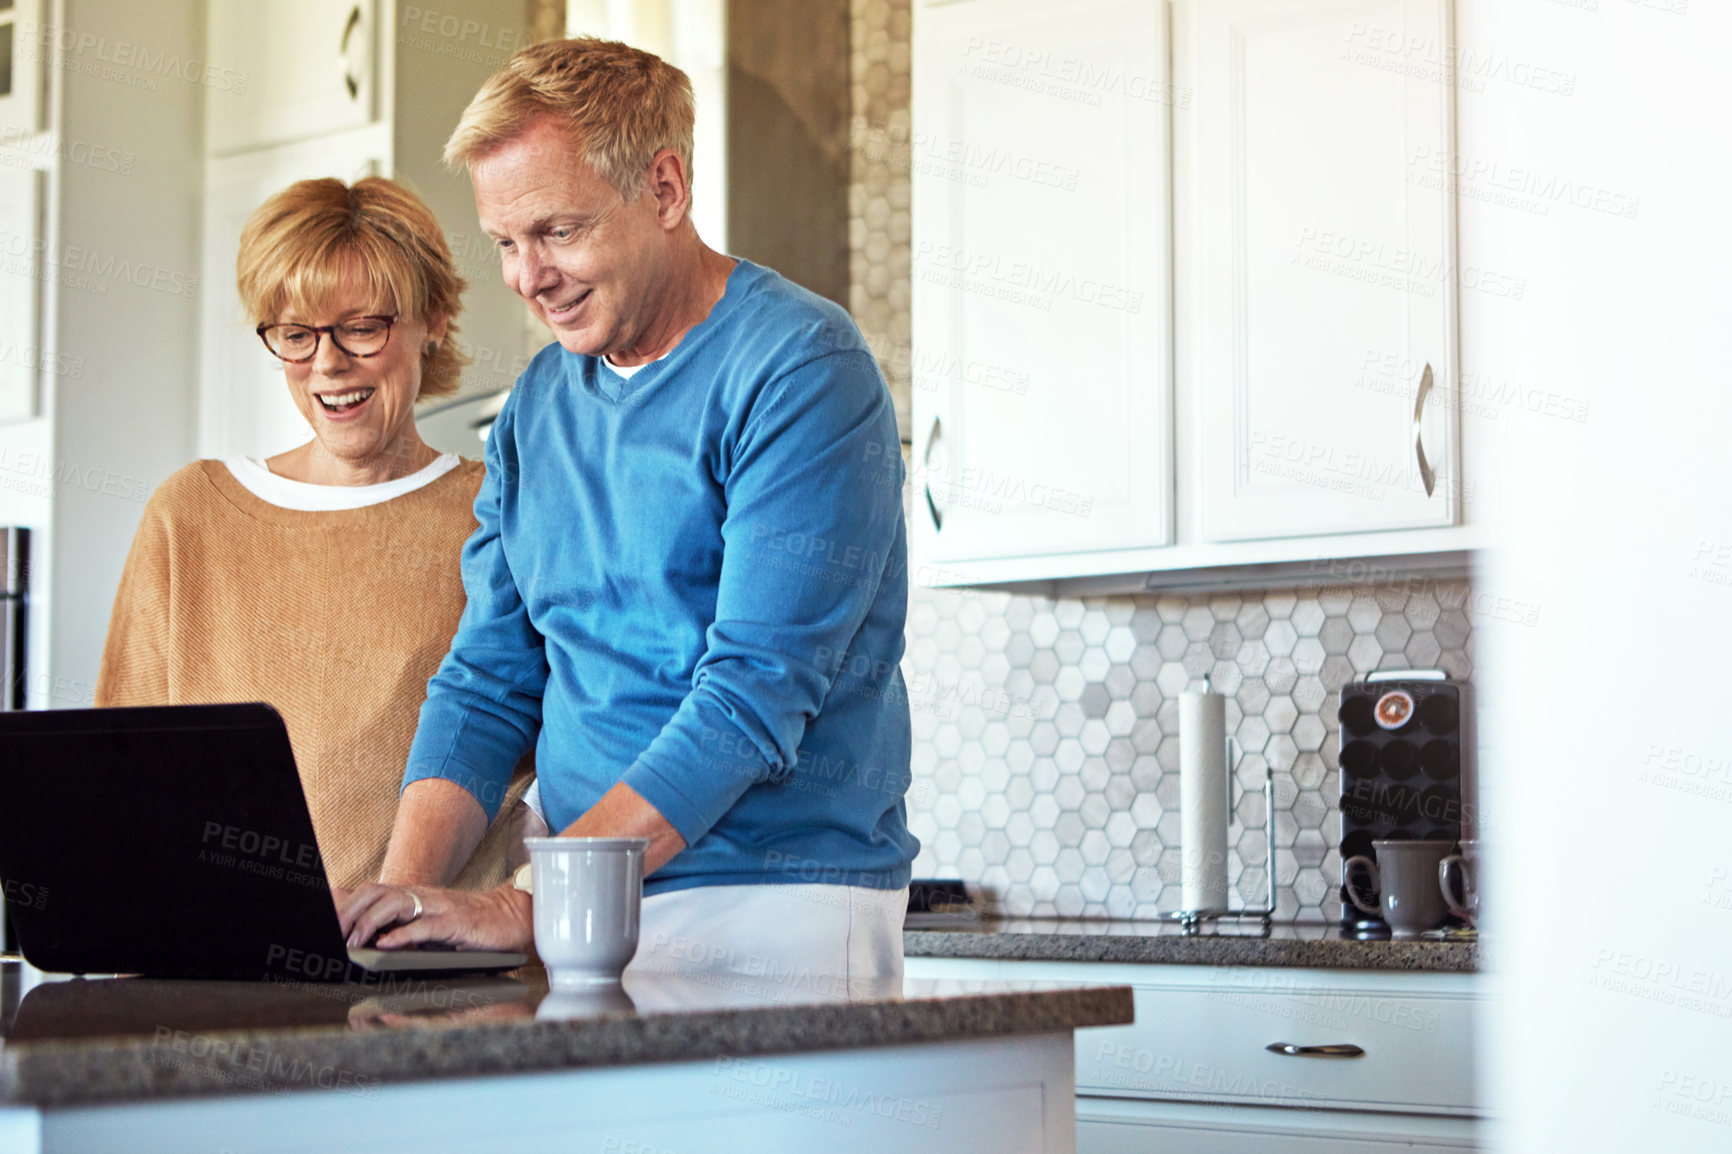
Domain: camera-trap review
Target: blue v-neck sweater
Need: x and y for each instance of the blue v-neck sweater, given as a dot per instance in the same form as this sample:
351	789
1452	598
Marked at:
694	581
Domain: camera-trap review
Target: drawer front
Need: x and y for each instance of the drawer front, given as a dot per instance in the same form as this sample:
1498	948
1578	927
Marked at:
1120	1127
1202	1033
1209	1042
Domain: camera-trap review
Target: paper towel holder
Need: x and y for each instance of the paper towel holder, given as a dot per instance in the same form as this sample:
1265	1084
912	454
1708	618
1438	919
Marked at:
1191	921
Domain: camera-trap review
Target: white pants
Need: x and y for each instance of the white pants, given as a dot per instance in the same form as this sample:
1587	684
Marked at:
724	945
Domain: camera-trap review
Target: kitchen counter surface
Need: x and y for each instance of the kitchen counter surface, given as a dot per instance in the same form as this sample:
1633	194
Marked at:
1316	945
127	1039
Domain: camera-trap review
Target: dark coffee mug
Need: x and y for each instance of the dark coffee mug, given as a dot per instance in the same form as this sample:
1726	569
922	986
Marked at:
1404	877
1467	862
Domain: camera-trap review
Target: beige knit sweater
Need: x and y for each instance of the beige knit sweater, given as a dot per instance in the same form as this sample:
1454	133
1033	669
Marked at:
337	619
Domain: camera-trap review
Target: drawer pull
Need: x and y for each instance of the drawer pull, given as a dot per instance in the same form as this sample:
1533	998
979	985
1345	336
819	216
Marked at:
926	467
349	79
1426	473
1339	1050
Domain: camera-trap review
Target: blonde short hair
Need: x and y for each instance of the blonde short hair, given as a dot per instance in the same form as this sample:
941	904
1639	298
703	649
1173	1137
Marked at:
621	105
317	238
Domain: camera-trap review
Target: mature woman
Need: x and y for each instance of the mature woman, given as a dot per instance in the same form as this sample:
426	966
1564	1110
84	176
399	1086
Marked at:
324	580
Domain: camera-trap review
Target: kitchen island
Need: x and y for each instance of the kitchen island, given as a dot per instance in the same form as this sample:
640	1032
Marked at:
660	1064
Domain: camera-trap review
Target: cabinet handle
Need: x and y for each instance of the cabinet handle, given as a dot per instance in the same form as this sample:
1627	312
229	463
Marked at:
926	467
349	81
1426	472
1338	1050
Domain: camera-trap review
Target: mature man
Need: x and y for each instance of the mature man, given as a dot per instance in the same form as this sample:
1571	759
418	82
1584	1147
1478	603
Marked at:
688	587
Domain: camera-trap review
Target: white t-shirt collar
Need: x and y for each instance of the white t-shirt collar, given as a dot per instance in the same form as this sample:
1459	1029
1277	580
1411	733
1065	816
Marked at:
256	478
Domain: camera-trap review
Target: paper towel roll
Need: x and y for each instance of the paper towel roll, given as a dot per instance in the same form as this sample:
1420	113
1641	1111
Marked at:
1203	800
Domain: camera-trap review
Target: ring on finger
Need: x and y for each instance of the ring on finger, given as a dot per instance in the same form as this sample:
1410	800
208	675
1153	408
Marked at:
416	898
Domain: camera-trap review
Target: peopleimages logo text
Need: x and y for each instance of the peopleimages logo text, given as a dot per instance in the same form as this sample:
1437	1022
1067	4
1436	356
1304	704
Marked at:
77	48
101	268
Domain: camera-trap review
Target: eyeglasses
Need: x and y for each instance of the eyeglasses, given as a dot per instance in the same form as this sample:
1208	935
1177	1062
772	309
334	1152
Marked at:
297	344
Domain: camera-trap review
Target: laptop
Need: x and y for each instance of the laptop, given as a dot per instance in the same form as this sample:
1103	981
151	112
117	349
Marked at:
175	842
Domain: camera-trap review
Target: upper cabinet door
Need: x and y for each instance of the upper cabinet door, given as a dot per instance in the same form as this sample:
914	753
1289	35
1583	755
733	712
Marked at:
1041	360
1323	270
284	70
25	43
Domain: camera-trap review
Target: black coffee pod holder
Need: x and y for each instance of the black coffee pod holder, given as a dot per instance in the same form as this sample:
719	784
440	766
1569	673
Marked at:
1404	742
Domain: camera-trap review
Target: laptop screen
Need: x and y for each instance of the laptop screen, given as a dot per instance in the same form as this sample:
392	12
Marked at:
170	841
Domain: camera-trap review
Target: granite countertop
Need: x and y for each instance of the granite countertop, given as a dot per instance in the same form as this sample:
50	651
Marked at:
1316	945
107	1040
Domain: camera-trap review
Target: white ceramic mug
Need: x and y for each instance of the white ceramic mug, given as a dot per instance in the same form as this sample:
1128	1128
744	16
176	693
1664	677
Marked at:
588	894
1405	878
1467	909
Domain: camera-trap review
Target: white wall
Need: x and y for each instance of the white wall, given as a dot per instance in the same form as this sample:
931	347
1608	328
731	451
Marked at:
1608	787
126	303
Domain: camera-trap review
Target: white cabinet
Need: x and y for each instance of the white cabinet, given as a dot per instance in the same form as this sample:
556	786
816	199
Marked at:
1321	264
1200	342
1203	1034
1042	358
1006	1095
1106	1126
22	151
24	43
298	70
1195	1071
325	89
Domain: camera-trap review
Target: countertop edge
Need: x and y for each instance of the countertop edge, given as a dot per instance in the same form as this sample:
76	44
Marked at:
54	1074
1068	946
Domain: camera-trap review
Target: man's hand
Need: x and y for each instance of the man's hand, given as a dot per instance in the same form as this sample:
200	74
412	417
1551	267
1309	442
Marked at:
383	915
496	919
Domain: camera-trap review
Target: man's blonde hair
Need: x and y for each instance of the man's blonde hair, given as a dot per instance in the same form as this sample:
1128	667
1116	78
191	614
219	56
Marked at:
317	239
620	104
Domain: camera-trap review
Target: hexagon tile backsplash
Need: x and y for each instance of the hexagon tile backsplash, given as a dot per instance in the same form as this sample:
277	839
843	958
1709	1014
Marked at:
1046	746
